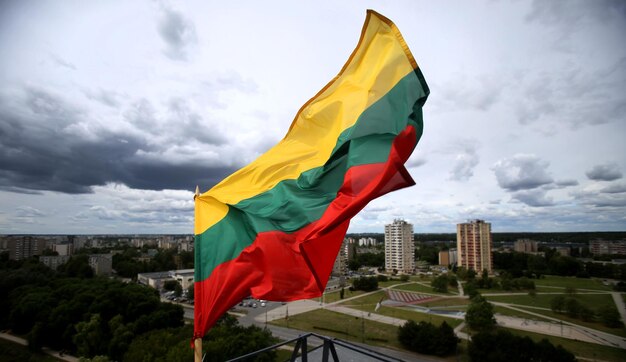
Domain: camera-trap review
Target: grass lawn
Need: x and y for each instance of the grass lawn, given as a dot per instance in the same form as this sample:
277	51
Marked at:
420	288
578	348
595	325
592	301
343	326
578	283
334	296
514	313
368	303
389	283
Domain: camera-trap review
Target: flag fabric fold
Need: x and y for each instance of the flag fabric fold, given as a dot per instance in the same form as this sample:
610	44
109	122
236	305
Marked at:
273	229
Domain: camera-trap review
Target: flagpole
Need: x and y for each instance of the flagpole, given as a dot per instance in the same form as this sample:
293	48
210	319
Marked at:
197	350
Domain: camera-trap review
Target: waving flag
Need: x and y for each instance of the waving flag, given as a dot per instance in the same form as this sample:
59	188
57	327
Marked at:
273	229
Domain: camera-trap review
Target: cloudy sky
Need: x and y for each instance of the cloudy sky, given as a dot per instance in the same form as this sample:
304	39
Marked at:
111	112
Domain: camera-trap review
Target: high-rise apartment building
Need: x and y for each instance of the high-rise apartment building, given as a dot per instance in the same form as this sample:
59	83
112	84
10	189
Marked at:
473	243
399	247
23	247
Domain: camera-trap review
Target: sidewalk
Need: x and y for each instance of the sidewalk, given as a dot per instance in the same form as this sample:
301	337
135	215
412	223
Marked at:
48	351
619	303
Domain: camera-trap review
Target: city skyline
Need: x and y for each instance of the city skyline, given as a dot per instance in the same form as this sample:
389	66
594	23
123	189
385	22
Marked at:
111	113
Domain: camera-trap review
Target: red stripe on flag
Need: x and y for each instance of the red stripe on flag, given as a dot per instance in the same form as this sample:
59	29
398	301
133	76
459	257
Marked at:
280	266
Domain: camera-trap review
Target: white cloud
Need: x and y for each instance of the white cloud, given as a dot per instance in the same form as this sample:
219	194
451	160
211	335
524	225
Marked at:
522	172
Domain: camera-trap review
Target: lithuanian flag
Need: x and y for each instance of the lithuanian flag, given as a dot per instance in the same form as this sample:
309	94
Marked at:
273	229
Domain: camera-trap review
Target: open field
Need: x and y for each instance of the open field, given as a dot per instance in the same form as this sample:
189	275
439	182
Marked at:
578	283
368	303
335	296
342	326
595	325
423	288
582	349
514	313
592	301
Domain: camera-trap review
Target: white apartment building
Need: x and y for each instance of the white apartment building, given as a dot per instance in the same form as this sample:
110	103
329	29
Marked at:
399	247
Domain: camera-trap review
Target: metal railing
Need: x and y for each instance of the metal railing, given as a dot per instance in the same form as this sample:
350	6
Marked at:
301	349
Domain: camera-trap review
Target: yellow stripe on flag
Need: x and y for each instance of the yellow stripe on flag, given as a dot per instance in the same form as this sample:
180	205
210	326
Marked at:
369	74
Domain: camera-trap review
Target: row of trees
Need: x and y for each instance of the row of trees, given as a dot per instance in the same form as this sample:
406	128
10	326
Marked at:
490	343
127	264
426	338
534	266
570	305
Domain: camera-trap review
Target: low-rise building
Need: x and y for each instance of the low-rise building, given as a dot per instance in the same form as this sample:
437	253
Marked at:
527	246
53	261
101	263
604	247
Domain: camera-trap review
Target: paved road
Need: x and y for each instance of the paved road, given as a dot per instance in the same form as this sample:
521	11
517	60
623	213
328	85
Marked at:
619	303
565	329
23	342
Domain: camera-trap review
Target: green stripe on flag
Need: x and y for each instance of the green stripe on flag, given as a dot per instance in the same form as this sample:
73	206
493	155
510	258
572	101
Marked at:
293	204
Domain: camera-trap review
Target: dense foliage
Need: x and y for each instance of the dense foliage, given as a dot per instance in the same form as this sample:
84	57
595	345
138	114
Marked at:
427	338
366	284
84	315
129	262
226	340
504	346
367	259
479	315
534	266
73	311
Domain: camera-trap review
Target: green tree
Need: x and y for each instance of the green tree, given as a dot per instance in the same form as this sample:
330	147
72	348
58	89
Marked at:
191	292
479	315
440	284
471	289
428	339
502	345
610	316
557	304
90	337
366	284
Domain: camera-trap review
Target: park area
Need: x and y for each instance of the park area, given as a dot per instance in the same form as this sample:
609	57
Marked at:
373	317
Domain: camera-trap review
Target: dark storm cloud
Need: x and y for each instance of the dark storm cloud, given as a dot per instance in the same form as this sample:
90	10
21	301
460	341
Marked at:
37	152
177	33
522	172
606	172
566	183
191	125
614	189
